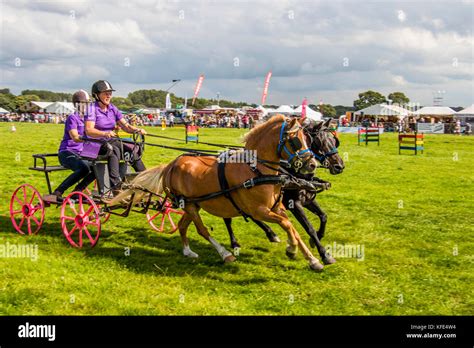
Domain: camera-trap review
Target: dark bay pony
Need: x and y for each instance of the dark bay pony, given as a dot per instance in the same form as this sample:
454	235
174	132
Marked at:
323	144
189	177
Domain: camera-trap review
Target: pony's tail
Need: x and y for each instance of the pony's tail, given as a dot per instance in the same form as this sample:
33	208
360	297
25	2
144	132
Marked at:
150	179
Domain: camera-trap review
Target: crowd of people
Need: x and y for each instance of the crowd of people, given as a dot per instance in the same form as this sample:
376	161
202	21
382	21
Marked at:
169	119
224	121
451	126
239	120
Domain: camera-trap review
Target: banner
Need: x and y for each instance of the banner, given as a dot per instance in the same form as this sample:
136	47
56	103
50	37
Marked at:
265	87
198	87
303	108
436	128
168	101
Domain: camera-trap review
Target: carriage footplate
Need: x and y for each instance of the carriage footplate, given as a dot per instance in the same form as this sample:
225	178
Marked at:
52	199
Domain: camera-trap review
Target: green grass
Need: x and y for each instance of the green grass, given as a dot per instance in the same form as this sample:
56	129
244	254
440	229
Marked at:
408	212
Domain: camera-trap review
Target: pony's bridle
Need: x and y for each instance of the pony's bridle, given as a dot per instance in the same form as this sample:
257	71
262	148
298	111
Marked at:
322	158
295	155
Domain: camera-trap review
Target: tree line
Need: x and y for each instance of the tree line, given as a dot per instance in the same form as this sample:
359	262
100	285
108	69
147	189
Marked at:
152	98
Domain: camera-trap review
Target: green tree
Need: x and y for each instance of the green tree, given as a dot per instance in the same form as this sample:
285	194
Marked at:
7	101
327	110
124	104
369	98
398	98
23	99
341	109
48	95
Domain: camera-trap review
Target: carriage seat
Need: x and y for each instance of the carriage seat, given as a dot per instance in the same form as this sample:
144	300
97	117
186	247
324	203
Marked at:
43	167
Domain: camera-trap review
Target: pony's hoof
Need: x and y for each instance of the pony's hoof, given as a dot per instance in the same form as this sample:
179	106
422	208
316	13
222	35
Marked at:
329	260
290	255
312	243
191	254
230	258
315	265
275	239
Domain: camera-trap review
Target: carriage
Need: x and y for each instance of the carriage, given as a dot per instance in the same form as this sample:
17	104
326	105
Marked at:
82	214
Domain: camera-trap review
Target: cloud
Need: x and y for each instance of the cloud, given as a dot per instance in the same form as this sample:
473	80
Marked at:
330	50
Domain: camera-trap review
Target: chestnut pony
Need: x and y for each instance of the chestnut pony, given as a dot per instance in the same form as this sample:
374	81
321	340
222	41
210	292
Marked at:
188	177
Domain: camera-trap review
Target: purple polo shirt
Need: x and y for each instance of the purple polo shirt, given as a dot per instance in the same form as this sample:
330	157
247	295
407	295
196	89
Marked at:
104	121
73	121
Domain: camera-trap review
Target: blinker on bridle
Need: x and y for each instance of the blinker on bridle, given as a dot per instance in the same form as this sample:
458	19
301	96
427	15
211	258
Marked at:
322	158
294	155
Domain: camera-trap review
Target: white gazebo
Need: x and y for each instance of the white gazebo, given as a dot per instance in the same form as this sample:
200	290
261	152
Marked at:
435	112
469	111
63	108
35	106
310	113
284	109
383	111
3	111
263	110
466	115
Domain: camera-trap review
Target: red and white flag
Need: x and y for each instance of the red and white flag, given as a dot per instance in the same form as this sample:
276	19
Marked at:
265	87
198	87
303	108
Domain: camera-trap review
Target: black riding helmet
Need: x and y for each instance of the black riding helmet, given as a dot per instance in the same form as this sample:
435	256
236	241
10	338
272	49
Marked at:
101	86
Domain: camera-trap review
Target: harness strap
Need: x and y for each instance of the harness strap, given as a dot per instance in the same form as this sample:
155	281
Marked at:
224	184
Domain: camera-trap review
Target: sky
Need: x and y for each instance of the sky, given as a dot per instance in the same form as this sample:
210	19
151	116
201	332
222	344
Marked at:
325	51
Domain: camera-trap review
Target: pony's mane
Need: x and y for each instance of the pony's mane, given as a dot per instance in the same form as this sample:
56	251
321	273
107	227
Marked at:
255	133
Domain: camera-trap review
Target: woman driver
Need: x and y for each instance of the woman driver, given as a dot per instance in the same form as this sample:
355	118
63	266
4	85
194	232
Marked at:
101	123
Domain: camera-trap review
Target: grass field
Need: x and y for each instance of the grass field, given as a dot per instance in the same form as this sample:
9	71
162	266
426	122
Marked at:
411	214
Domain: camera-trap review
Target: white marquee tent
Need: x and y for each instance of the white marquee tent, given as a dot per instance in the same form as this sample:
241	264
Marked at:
435	111
310	113
35	106
469	111
382	110
63	108
284	109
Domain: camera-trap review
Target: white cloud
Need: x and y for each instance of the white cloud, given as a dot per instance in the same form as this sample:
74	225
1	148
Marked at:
387	48
401	16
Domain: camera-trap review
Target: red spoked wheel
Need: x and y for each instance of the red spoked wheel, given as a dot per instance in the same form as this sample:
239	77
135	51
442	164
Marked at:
104	216
27	210
162	221
80	220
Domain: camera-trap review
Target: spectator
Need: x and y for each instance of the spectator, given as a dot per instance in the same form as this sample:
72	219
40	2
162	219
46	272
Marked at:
468	129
